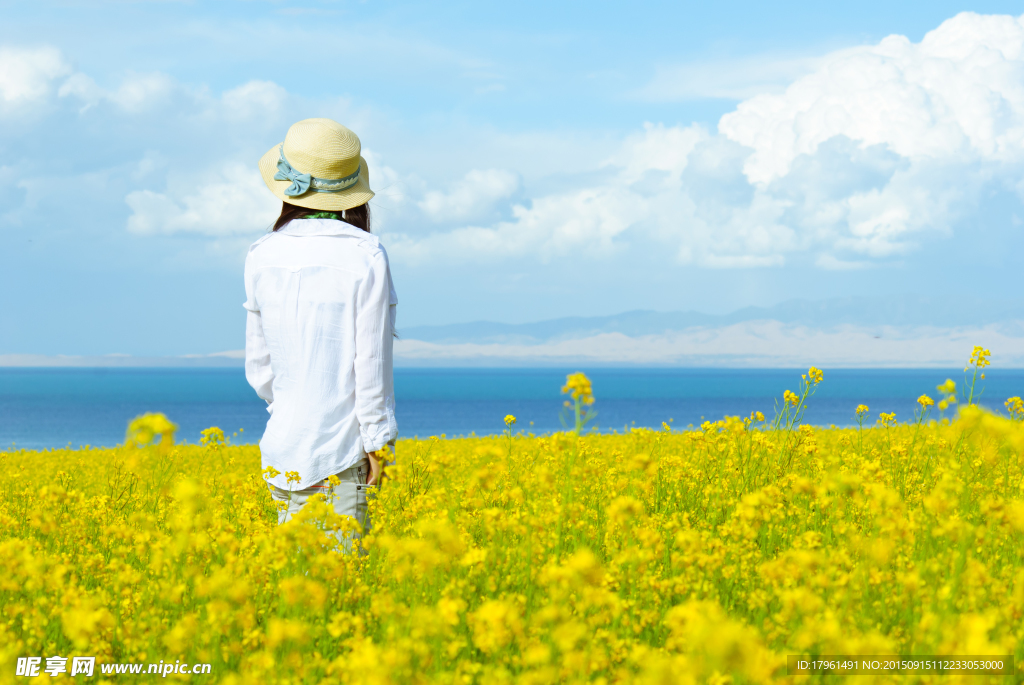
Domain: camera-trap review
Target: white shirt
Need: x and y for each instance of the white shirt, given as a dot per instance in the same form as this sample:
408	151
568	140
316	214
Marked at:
319	345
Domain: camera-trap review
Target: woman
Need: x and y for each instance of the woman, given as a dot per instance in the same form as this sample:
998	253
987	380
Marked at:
321	317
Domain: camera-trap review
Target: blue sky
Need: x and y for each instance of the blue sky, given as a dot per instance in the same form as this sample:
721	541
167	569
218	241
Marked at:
532	160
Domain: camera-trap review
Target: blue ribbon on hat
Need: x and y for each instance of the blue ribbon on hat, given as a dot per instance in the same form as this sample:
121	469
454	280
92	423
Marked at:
285	172
303	183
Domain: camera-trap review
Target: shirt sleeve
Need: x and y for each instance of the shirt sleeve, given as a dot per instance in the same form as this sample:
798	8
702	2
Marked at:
258	370
375	403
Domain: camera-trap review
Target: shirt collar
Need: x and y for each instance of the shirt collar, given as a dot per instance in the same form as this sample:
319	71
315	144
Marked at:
310	227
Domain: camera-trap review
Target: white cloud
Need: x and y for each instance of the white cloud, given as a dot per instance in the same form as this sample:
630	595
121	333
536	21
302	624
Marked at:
27	75
139	92
657	148
254	99
958	94
231	201
586	220
857	162
471	197
136	94
83	88
644	197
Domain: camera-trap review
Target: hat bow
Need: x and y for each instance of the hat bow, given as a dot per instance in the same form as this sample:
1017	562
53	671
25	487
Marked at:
285	172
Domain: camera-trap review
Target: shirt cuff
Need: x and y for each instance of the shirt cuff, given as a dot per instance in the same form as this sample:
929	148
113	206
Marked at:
375	437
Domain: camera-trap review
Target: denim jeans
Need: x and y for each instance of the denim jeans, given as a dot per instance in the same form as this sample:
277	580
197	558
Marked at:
348	499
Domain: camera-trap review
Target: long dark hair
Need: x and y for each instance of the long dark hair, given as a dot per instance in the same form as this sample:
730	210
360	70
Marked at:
357	216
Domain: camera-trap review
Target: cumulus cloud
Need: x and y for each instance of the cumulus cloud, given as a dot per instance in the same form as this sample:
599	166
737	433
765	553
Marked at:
230	201
656	148
254	99
470	197
883	143
137	93
83	88
679	188
586	220
28	75
859	161
140	92
958	94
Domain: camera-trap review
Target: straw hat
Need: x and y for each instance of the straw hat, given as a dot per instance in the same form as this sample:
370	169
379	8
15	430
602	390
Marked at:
318	166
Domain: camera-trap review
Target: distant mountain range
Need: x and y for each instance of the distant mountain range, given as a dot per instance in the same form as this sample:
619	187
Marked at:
906	312
901	331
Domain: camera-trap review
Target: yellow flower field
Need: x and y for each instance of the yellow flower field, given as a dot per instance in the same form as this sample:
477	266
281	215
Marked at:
664	556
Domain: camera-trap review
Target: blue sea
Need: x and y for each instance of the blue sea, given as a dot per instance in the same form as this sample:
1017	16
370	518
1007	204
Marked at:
42	408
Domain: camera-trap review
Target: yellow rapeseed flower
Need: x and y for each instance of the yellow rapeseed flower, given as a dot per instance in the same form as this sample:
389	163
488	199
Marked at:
212	437
144	429
925	401
579	386
979	357
862	409
495	625
1015	405
509	420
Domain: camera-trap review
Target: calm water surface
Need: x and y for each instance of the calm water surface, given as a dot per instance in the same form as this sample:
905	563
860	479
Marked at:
54	407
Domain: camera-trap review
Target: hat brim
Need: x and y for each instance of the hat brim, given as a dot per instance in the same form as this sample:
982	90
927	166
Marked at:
358	194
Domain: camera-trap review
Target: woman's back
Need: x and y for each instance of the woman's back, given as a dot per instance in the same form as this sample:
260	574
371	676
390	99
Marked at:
321	354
